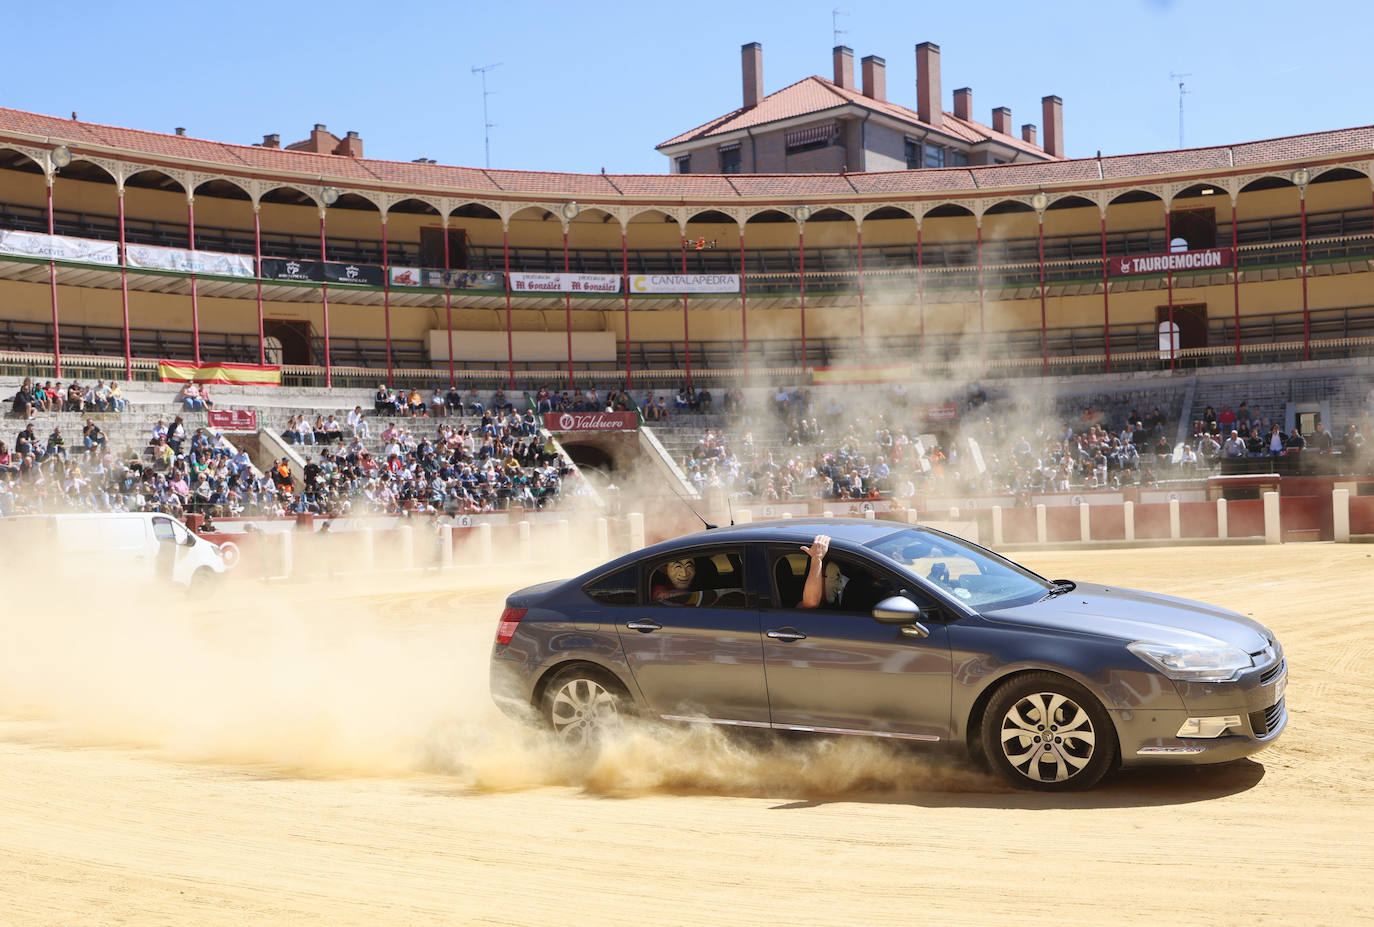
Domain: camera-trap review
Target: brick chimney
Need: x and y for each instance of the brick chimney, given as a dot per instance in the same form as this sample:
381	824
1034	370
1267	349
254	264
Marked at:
751	58
321	141
1028	133
181	130
271	141
1053	120
875	78
844	66
928	83
963	103
351	146
1001	120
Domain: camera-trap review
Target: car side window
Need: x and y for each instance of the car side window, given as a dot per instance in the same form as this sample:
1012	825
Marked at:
618	588
700	579
848	584
162	529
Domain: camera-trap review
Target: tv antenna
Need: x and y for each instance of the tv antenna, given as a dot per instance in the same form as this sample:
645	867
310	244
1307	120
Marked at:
835	30
1181	92
487	124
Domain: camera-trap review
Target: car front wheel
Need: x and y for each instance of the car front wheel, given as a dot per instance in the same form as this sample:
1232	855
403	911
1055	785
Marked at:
1047	733
581	704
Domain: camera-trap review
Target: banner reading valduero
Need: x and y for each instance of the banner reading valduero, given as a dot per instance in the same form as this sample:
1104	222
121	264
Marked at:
564	283
464	279
1202	259
59	247
684	283
190	262
282	269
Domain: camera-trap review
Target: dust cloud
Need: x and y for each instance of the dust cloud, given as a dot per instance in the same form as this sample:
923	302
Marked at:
350	676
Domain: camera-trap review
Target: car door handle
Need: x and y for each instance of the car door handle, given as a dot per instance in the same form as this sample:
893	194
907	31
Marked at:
785	634
643	625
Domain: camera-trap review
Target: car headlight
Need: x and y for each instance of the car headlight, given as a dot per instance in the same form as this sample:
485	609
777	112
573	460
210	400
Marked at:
1200	663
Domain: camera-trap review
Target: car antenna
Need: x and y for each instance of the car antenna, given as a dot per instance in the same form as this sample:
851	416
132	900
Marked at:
731	507
684	501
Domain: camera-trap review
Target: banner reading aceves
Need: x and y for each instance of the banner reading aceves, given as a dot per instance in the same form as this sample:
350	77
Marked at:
684	283
189	262
231	374
564	283
59	247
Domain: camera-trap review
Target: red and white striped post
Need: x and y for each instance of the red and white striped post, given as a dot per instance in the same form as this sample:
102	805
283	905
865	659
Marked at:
1235	274
567	305
802	213
1106	295
191	245
625	283
920	294
686	329
743	312
52	275
1169	272
982	333
257	272
1040	201
448	303
386	296
324	296
863	336
510	339
1301	177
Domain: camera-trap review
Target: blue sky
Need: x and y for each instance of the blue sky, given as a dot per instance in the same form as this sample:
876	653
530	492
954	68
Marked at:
586	86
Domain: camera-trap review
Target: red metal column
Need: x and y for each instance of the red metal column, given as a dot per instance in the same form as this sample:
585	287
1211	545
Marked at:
1106	298
124	292
1306	322
801	280
921	295
686	330
386	296
257	265
1044	335
982	334
1235	277
743	313
510	339
625	270
863	338
324	302
1169	270
52	287
195	300
567	307
448	304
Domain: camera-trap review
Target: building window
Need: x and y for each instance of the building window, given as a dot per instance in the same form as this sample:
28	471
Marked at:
913	154
684	164
957	158
811	138
729	159
935	156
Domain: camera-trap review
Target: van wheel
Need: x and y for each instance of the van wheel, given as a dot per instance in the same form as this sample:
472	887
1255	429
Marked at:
203	583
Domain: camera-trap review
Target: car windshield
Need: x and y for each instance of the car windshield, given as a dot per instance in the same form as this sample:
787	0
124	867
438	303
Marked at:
978	578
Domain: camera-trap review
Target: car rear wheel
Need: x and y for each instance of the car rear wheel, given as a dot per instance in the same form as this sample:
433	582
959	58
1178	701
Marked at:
581	704
1047	733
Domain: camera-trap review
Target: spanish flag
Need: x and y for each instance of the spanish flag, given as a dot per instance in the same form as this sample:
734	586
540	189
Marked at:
232	374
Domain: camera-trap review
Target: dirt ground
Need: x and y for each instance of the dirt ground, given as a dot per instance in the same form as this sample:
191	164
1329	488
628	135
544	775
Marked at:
327	754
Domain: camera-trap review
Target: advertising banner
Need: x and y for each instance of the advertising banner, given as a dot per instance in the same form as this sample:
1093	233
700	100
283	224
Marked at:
591	421
1203	259
365	274
406	276
170	371
464	279
684	283
564	283
233	419
59	247
940	412
300	271
187	261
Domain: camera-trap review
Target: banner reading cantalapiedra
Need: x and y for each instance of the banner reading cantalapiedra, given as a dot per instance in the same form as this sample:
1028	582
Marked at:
230	374
684	283
832	375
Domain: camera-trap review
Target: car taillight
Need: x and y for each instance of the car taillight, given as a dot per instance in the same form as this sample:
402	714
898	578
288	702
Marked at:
510	620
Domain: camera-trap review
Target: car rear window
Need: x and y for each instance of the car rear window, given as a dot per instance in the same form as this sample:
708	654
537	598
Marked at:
618	588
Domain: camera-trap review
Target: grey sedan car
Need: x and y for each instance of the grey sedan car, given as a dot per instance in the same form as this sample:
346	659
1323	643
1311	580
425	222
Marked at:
874	629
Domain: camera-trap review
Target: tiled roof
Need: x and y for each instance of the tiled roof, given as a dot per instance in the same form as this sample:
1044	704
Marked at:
816	95
445	180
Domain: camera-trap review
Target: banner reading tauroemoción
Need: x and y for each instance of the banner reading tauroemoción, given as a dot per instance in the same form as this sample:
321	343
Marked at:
1203	259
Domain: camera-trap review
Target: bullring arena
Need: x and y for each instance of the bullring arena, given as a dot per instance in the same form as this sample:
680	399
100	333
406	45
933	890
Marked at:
1047	357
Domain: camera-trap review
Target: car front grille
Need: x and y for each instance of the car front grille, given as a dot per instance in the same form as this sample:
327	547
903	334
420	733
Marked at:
1262	722
1273	672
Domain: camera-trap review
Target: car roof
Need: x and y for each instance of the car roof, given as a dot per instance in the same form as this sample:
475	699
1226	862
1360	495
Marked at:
848	531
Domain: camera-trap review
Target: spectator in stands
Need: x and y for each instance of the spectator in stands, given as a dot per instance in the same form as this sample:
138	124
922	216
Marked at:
1321	440
205	399
436	403
92	436
1295	442
7	460
1227	420
94	397
76	398
416	404
381	400
333	431
1276	442
1234	446
1243	417
57	445
190	397
116	397
25	404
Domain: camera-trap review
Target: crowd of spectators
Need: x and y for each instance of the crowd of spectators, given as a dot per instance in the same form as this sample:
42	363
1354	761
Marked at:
49	396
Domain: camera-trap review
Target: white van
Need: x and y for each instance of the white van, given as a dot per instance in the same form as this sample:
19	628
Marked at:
145	546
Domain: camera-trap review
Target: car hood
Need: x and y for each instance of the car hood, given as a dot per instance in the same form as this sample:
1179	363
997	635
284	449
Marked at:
1132	615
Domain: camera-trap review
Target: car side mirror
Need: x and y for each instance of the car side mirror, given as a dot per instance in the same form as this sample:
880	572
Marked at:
190	540
897	609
